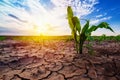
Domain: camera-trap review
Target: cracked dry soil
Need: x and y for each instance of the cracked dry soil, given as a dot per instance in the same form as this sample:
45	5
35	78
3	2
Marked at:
57	60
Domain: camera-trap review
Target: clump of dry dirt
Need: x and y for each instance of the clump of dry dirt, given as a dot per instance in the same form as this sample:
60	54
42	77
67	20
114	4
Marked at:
57	60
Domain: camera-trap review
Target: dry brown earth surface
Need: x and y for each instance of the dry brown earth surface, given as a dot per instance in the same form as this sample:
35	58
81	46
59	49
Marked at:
57	60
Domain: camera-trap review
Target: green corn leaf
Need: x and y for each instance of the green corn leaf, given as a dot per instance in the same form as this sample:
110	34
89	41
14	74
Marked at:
90	38
101	25
69	12
85	28
105	25
76	23
69	17
71	25
92	28
84	33
73	30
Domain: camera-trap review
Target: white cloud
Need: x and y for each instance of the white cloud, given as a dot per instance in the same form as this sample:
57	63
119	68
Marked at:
80	7
40	16
101	15
98	16
100	20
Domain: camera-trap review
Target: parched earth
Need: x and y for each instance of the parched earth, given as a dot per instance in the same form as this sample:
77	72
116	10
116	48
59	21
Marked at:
57	60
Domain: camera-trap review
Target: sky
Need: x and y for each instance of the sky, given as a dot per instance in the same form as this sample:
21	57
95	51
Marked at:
49	17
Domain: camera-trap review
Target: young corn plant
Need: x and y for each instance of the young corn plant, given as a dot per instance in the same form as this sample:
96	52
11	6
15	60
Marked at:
81	34
117	38
102	38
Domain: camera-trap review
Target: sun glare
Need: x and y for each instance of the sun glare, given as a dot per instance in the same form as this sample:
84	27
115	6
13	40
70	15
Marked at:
40	26
41	30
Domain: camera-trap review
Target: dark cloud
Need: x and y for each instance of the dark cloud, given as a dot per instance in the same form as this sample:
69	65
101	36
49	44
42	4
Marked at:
7	30
3	29
15	17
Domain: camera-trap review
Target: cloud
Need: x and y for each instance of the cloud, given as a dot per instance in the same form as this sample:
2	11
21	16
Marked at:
15	17
95	21
98	16
22	15
101	15
80	7
5	30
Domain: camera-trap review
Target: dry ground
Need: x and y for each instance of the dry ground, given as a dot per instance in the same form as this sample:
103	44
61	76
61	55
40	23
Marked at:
57	60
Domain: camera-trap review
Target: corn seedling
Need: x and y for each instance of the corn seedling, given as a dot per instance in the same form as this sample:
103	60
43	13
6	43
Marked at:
80	35
117	38
102	38
2	38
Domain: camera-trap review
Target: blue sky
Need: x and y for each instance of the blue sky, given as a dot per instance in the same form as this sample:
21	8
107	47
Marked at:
48	17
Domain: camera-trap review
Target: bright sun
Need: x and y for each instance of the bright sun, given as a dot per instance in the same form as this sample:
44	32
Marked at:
41	27
42	24
41	30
